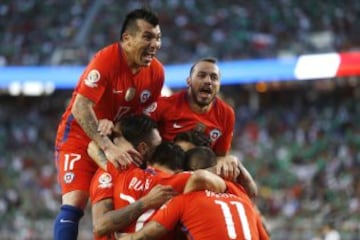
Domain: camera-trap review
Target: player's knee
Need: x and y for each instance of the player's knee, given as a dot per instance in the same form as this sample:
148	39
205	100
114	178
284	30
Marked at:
76	199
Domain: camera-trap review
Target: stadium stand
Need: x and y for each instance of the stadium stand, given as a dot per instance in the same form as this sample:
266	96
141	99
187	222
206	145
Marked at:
53	32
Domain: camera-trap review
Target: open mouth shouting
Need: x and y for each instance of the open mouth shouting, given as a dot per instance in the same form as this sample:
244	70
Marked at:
148	57
205	92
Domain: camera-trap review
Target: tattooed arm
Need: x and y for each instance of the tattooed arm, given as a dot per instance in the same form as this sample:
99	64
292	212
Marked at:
152	230
97	155
116	220
83	112
97	210
106	220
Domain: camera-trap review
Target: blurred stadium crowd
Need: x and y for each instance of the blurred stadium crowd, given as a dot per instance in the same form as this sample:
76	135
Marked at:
52	32
303	147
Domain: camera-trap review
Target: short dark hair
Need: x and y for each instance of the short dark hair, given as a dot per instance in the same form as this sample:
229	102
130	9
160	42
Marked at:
141	13
170	155
207	59
137	128
199	158
195	137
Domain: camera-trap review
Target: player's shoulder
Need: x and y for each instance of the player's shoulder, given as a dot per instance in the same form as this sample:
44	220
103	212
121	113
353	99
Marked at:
110	49
175	97
100	172
107	57
223	106
156	64
172	99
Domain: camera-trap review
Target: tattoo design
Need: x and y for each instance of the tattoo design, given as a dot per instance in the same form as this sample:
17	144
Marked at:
86	119
129	214
101	156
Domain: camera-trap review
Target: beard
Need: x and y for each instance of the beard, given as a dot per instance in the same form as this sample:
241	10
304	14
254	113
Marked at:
200	101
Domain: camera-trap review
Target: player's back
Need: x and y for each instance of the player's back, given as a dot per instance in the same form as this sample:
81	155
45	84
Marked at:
209	215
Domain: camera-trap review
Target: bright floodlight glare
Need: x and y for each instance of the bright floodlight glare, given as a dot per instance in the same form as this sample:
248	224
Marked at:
49	88
33	88
14	88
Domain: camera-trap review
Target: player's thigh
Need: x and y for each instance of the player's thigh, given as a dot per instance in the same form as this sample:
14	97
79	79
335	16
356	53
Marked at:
75	170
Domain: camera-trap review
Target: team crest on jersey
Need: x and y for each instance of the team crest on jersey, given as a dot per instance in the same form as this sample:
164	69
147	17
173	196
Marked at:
105	180
69	177
151	108
144	96
92	78
214	134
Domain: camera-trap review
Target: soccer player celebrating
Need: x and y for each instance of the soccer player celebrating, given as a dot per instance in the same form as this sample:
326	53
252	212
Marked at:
208	209
121	79
199	108
141	132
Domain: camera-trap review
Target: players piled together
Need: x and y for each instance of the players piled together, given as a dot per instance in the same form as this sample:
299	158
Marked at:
153	167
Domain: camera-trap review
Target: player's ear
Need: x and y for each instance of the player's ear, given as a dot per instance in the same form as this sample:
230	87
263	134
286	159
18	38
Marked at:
142	148
125	37
188	81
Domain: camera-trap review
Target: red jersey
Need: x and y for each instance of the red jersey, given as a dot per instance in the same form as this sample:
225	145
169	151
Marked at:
174	115
132	185
115	91
209	215
102	186
239	191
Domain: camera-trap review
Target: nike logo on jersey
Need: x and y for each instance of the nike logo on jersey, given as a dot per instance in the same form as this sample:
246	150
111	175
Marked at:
117	91
66	221
175	125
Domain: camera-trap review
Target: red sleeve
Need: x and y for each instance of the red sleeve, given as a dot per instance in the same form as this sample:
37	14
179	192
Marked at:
177	181
101	186
95	78
170	213
223	145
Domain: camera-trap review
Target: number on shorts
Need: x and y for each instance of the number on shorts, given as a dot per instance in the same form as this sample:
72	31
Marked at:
70	159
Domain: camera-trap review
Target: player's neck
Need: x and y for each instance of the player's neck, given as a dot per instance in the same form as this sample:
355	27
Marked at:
163	169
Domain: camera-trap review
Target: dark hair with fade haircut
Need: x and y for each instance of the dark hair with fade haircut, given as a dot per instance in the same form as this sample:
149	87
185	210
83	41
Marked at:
140	13
137	128
206	59
199	158
170	155
195	137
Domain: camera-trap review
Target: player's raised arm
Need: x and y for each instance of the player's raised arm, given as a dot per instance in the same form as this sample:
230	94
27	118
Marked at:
204	180
115	220
241	175
83	111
